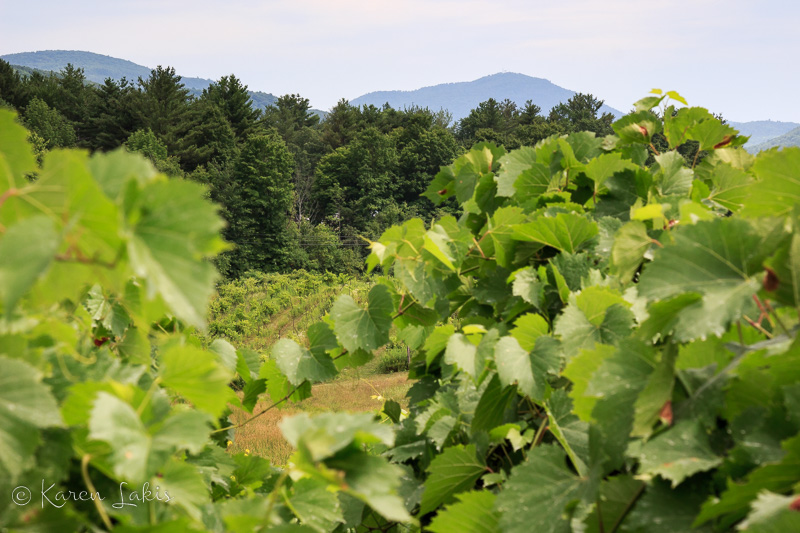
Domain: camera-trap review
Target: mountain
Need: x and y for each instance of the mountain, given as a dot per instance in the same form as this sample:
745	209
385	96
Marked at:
460	98
97	68
761	131
790	138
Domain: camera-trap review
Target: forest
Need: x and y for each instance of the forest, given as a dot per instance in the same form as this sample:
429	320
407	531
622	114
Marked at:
599	317
297	191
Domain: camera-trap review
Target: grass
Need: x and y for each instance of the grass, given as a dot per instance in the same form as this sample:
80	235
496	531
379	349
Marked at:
357	390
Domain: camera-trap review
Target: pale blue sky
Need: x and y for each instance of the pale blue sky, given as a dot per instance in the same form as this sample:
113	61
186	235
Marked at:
736	57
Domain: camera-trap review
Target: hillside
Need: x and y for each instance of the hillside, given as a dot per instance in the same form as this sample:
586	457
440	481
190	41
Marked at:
790	138
98	67
460	98
761	131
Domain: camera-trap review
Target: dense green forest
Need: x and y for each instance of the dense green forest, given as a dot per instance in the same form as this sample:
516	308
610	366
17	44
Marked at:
296	191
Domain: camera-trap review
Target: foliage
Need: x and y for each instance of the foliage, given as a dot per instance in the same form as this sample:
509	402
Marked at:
570	374
393	359
257	309
50	125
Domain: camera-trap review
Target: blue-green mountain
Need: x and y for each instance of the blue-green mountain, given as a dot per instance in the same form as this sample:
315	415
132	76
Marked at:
460	98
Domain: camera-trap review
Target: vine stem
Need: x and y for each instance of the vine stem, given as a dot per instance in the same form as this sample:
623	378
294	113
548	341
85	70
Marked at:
89	485
237	426
627	508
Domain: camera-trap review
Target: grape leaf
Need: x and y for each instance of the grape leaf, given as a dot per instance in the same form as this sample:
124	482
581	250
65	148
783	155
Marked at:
716	259
537	494
473	513
677	453
175	228
357	328
565	232
32	243
455	470
25	406
299	364
198	376
777	191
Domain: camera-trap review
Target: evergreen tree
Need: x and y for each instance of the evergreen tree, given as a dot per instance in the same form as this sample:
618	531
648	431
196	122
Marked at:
113	115
164	106
12	88
234	101
256	198
579	113
209	136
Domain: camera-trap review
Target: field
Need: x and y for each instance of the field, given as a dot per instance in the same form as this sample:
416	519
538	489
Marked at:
257	310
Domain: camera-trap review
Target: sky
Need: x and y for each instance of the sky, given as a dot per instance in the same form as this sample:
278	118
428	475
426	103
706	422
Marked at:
735	57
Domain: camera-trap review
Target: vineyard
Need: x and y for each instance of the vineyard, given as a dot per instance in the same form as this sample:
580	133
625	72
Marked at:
604	340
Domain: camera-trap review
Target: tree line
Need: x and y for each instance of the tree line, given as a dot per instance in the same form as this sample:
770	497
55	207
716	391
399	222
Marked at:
297	190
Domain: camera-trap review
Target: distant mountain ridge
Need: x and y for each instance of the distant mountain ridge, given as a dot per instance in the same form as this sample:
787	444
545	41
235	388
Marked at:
98	67
761	131
790	138
462	97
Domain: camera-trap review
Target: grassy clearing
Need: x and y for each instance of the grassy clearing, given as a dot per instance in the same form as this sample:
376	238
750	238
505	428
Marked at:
350	392
257	310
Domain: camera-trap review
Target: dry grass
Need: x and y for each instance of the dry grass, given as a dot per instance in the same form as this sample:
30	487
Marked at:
349	393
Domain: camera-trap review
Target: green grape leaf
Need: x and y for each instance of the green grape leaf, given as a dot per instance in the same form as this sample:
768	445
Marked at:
527	285
325	434
185	487
579	371
677	453
595	315
655	394
614	388
16	156
716	259
492	405
248	363
631	243
117	423
709	133
461	352
571	432
778	477
437	243
278	385
251	393
565	232
616	495
185	430
500	229
512	165
730	186
372	480
772	513
662	509
537	494
357	328
528	328
299	364
527	370
198	376
25	406
603	167
175	228
454	471
26	250
314	505
473	513
777	191
672	178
